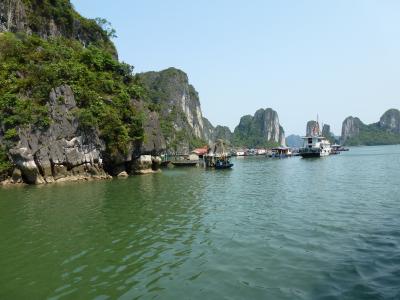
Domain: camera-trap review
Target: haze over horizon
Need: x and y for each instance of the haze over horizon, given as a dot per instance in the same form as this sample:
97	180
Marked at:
301	58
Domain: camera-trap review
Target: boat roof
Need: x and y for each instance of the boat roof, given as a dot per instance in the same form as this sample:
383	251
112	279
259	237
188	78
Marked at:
280	148
313	136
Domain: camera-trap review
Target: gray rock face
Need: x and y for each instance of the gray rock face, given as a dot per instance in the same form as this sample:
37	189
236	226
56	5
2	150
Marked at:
350	128
222	133
312	128
326	130
390	121
62	151
260	129
15	16
212	134
179	101
154	141
208	131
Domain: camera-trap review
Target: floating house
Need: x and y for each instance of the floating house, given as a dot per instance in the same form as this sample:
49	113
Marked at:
280	152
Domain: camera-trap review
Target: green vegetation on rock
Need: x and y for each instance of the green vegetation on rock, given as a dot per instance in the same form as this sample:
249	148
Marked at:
30	67
5	164
371	135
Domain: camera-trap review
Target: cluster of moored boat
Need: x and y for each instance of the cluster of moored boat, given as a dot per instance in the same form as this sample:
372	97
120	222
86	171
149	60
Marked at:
314	145
215	157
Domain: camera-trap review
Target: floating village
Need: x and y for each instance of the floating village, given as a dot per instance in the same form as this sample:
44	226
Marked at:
218	155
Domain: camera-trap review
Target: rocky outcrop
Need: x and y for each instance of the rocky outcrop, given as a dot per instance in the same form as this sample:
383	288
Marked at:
384	132
326	130
66	152
13	16
312	128
179	106
208	130
294	141
350	128
54	19
262	129
61	152
146	164
222	133
219	132
390	121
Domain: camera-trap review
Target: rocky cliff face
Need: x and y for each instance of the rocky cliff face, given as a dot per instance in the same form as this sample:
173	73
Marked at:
222	133
179	106
67	152
63	151
384	132
326	132
262	129
312	128
72	141
390	121
350	128
51	19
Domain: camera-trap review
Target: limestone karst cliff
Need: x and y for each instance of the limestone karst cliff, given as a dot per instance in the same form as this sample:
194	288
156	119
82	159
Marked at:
262	129
384	132
69	109
56	18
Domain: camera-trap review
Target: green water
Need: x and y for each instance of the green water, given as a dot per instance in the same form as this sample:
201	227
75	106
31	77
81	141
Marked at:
268	229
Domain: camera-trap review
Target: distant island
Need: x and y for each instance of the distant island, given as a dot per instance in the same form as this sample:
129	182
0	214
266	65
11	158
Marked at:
384	132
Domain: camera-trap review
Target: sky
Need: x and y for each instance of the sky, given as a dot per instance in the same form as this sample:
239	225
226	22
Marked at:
302	58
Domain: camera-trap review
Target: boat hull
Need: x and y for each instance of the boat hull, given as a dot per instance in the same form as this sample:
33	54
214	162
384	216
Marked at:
185	163
310	154
226	166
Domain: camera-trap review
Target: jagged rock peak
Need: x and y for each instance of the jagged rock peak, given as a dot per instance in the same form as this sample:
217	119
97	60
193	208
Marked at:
262	129
350	128
390	120
177	98
312	128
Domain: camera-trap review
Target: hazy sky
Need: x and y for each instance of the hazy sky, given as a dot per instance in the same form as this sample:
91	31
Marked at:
301	58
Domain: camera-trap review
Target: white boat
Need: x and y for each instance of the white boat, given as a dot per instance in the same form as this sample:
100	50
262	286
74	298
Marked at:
240	153
315	146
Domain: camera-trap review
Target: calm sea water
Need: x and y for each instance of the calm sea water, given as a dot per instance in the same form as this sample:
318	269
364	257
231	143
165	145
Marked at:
268	229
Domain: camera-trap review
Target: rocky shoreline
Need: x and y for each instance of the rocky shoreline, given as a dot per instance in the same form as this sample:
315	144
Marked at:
146	164
66	152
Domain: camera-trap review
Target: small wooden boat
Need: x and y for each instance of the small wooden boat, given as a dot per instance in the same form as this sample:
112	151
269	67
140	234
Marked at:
223	166
185	163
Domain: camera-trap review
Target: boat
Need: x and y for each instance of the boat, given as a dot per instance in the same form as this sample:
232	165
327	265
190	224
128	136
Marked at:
280	152
223	164
218	158
185	163
315	146
240	153
336	149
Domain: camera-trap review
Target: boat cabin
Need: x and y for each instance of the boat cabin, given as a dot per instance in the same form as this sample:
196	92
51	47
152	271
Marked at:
281	152
313	141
